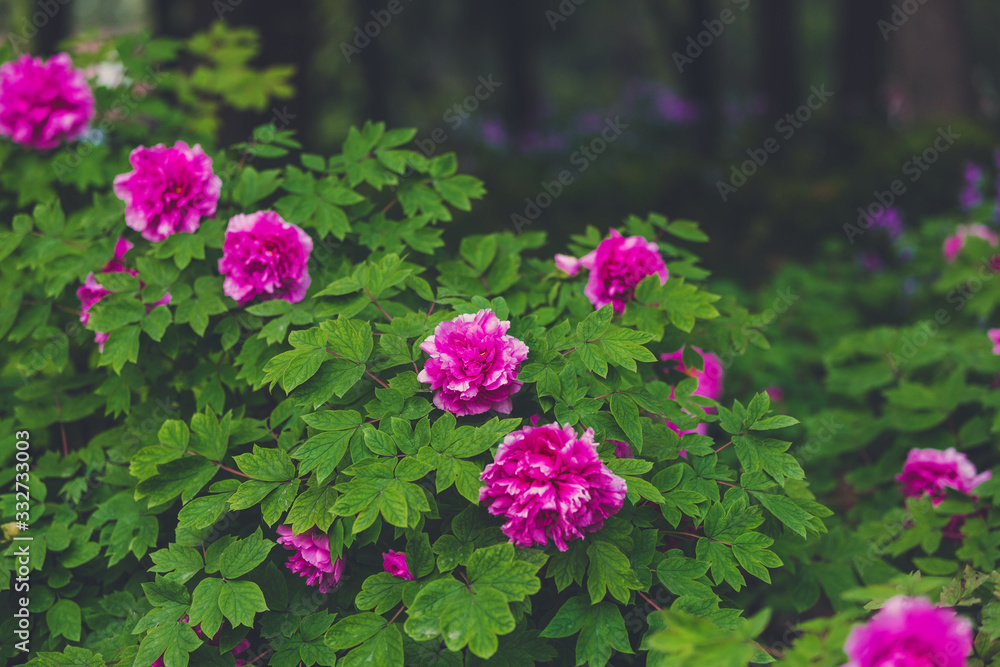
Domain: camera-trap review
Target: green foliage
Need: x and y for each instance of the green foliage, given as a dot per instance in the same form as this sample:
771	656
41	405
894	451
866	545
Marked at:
163	465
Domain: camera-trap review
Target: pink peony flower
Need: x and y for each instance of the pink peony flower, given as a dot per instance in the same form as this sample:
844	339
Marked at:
92	291
930	471
265	256
775	393
312	558
910	632
570	265
623	450
549	483
474	364
394	562
617	266
953	244
709	379
42	103
994	335
168	190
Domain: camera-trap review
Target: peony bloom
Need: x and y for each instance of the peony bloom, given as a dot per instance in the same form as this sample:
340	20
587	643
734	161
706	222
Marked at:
169	190
623	450
930	471
709	384
549	483
568	264
616	266
953	244
92	291
474	364
971	194
709	379
994	335
394	562
312	558
910	632
775	393
265	256
42	103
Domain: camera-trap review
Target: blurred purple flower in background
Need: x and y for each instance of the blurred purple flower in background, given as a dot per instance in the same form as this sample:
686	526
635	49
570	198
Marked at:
971	194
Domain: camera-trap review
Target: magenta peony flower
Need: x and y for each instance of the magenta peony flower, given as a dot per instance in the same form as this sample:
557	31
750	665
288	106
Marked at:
168	190
910	632
474	364
616	267
994	336
930	471
92	291
953	244
42	103
312	558
775	393
709	378
568	264
549	483
623	450
394	562
265	256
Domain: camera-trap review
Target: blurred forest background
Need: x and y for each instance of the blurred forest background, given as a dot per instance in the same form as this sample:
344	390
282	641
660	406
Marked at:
695	84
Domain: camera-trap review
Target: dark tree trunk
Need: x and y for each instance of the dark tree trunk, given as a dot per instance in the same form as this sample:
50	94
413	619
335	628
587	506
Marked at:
54	29
930	74
515	31
778	71
861	57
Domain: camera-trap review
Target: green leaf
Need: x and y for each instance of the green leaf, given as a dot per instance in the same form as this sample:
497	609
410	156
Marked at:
182	477
767	454
496	567
244	555
778	421
476	620
626	413
785	510
155	324
353	630
723	564
351	339
121	347
601	628
312	508
683	576
385	647
609	571
240	601
63	618
595	324
185	562
268	465
324	451
175	434
115	311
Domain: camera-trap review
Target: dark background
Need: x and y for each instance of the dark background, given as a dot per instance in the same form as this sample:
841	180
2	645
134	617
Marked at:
899	72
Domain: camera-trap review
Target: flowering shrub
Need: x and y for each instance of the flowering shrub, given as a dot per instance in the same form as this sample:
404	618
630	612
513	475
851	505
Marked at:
469	452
